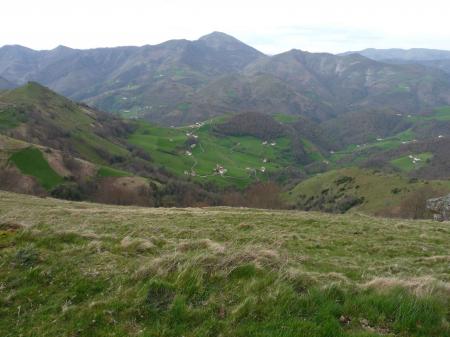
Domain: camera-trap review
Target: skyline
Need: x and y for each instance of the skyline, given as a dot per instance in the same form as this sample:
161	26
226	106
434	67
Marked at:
271	27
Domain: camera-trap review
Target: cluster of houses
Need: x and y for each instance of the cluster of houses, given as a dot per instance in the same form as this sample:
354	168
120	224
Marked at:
252	170
197	125
191	173
220	170
269	143
191	135
415	160
400	115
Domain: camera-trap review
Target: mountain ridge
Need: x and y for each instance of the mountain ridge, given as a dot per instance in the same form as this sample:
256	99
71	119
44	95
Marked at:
180	81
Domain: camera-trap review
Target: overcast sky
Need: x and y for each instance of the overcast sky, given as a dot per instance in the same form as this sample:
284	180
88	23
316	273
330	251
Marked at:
270	26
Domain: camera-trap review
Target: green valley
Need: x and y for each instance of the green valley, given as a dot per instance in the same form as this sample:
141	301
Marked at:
196	151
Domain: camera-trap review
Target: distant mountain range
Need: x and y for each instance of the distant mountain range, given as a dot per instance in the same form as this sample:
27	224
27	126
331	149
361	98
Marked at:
180	81
414	54
433	58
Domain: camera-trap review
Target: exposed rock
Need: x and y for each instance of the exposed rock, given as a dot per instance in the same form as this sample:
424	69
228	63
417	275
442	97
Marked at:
440	207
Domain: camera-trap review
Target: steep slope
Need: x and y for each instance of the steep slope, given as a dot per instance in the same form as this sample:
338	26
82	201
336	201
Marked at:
37	115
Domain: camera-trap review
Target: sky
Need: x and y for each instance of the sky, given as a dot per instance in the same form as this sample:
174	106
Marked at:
270	26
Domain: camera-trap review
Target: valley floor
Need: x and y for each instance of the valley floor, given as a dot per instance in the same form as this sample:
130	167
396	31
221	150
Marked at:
82	269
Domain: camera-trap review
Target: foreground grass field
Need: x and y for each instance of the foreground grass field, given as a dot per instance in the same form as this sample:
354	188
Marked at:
80	269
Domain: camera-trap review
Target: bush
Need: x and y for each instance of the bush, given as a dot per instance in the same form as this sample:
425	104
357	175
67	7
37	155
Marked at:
67	191
347	202
27	257
414	205
343	180
396	190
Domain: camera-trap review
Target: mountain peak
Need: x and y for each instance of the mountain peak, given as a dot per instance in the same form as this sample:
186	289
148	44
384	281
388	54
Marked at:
35	92
218	36
219	40
62	48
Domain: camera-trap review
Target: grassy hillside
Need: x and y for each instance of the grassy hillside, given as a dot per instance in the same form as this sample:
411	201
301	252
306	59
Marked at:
357	189
34	113
412	162
426	138
94	270
198	150
37	115
30	161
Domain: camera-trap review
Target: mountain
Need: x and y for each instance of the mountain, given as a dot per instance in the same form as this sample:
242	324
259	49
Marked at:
432	58
414	54
178	82
346	83
323	87
127	78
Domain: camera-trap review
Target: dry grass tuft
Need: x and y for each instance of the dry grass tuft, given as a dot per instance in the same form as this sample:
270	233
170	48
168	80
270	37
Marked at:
261	257
208	244
10	226
95	246
421	286
246	226
137	244
437	258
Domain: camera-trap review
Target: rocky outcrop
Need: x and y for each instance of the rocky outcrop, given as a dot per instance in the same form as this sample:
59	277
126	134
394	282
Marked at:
440	208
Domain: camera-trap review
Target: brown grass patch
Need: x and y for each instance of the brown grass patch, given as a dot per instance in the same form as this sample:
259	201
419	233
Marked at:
137	244
261	257
10	226
420	286
245	226
437	258
208	244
